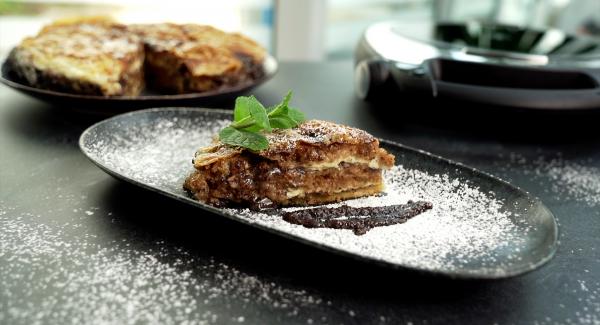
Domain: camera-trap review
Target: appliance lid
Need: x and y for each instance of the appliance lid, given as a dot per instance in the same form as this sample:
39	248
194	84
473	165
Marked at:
482	42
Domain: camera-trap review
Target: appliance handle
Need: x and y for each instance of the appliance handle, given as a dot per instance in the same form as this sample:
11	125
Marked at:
525	87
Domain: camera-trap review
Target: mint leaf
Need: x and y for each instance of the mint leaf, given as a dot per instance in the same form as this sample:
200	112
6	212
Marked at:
270	109
282	122
284	117
250	118
241	109
241	138
250	115
287	98
296	115
278	111
258	112
252	128
281	108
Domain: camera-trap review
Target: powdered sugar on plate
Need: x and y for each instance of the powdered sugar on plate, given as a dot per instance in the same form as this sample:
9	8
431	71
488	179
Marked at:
468	231
465	224
160	154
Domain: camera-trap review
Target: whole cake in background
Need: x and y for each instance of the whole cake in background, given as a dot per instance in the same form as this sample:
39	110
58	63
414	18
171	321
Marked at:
91	56
195	58
97	56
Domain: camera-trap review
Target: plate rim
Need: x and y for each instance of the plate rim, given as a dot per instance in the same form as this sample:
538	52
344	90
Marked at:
454	274
270	63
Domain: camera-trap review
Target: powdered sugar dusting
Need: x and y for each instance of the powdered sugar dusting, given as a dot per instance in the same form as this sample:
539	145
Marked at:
468	230
569	179
582	182
49	275
160	154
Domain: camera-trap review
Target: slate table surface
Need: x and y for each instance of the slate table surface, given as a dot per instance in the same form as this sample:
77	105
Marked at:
46	181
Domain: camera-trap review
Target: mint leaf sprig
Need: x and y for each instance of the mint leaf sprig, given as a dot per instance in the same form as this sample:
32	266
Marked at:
251	120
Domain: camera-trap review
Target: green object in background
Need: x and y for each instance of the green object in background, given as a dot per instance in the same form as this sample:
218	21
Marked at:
12	7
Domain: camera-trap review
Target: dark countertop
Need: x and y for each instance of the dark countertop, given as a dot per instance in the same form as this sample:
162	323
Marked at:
79	246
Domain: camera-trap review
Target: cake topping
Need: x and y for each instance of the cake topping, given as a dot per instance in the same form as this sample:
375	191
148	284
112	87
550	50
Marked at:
251	120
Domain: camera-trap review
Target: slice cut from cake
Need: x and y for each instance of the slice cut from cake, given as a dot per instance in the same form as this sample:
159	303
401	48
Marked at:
195	58
317	162
91	56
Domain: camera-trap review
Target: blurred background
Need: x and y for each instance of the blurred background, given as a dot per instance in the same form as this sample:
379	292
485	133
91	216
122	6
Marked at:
307	30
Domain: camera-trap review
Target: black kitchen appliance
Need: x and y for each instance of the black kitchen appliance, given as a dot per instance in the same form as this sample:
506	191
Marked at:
480	63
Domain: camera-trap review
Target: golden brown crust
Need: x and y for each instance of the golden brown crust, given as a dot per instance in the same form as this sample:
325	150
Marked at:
94	56
317	162
312	142
195	58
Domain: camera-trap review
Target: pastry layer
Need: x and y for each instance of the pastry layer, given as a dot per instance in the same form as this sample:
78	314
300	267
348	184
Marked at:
322	198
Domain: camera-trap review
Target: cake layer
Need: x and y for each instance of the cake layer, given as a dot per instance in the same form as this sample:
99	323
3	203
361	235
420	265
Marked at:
323	198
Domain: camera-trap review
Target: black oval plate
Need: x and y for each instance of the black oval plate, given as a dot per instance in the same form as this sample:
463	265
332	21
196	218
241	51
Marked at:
480	226
116	105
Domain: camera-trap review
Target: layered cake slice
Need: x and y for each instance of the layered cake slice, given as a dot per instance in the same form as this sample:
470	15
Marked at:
317	162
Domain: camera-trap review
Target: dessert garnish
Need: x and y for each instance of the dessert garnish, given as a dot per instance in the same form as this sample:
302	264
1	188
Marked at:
251	119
